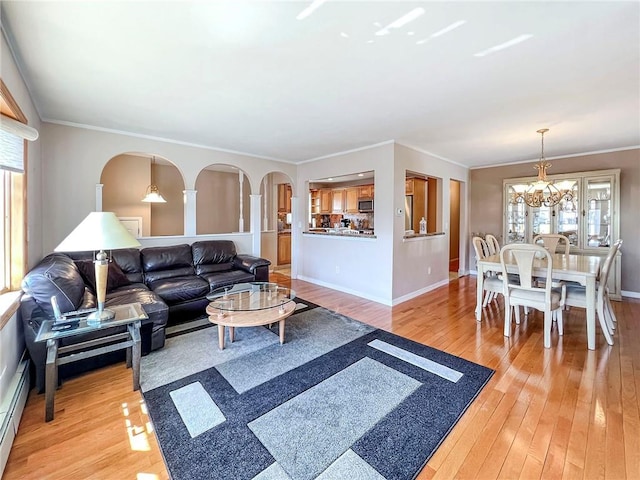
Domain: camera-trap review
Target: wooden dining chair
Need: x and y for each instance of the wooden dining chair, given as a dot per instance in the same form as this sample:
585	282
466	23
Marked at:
577	297
492	285
552	241
525	291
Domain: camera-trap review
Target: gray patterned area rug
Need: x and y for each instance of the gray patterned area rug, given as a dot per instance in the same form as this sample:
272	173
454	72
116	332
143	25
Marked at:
339	400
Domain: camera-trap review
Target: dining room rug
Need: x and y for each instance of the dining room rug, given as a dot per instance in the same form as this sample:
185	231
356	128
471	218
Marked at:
338	400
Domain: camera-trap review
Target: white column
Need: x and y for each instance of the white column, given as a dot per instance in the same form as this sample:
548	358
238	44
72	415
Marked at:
255	223
266	185
241	218
295	234
99	196
190	212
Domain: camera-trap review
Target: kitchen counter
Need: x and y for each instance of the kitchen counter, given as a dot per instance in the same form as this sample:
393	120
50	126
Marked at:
341	232
418	236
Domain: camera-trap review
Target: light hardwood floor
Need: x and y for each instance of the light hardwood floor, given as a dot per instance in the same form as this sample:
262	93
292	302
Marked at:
563	412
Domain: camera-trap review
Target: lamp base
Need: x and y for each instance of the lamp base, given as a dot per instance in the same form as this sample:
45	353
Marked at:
100	316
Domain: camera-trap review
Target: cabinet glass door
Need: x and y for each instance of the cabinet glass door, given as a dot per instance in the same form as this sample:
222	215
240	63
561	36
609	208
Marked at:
598	212
568	210
516	216
541	220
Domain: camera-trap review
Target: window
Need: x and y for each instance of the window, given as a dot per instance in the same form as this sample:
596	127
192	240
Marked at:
13	258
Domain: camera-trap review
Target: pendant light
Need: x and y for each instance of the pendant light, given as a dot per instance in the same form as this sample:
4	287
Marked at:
543	192
152	194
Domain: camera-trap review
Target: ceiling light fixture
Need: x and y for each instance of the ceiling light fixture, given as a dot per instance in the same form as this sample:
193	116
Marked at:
402	21
310	9
152	195
502	46
542	192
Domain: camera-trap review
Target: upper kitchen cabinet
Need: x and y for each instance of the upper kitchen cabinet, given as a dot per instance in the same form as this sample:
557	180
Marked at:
325	200
352	195
365	191
284	198
338	200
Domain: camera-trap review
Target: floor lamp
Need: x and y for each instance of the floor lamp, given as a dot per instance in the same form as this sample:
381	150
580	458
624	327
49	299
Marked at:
98	232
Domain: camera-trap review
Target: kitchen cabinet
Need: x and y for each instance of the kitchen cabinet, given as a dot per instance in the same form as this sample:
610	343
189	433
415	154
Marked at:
284	248
415	199
589	219
337	200
351	200
284	198
408	186
314	196
365	191
325	200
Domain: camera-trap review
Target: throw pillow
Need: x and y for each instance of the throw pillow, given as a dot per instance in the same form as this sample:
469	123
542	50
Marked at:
116	277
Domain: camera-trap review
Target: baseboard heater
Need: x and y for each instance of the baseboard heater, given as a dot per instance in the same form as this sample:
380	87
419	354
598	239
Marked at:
11	410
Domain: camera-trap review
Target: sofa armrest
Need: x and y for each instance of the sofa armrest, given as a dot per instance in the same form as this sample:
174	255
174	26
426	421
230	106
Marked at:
249	263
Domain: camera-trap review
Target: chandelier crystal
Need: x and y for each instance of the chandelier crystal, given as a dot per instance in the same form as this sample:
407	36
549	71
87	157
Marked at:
542	192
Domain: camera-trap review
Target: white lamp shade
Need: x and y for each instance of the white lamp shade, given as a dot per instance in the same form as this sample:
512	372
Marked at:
99	231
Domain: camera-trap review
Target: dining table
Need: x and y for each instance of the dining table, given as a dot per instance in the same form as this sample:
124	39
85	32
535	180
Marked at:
583	269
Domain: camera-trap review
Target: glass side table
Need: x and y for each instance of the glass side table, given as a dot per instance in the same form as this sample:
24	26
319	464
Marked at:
129	315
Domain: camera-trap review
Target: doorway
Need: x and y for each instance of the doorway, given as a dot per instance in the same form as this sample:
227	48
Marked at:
454	229
284	229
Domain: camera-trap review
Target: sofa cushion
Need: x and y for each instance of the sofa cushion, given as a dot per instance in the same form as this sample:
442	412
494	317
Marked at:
180	289
214	267
130	262
213	252
166	258
155	308
56	274
116	277
221	279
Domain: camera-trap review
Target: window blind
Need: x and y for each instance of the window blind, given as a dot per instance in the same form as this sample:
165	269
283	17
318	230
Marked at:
12	137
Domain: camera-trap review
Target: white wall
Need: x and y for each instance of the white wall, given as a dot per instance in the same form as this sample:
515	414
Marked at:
11	348
387	269
412	259
74	158
11	336
12	79
360	266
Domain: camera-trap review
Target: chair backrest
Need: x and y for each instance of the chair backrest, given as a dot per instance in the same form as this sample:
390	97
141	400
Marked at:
550	241
525	256
492	244
605	268
481	248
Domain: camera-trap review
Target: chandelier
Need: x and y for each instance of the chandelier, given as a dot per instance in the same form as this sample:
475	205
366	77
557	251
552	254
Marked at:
152	194
542	192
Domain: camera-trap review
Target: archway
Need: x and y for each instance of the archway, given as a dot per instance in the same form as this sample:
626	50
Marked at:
126	178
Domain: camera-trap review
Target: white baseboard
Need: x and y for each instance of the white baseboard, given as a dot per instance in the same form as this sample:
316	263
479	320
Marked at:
626	293
417	293
383	301
340	288
11	410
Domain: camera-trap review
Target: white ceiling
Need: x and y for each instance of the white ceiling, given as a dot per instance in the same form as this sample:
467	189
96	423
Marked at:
249	77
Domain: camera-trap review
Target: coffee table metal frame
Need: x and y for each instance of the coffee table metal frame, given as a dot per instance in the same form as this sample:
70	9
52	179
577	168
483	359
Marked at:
250	305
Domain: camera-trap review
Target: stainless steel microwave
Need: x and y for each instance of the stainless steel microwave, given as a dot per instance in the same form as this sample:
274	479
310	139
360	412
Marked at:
365	205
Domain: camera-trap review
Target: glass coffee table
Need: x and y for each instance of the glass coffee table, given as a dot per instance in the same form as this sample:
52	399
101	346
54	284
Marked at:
250	305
